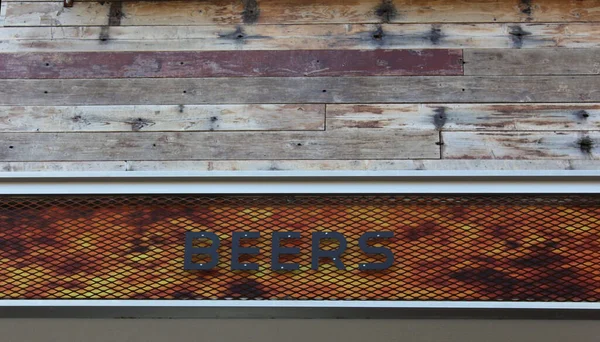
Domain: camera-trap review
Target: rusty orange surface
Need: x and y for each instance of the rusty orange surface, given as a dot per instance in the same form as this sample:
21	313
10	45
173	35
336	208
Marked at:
526	248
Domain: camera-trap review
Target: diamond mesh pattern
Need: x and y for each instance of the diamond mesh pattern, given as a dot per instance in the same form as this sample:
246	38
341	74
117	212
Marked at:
446	247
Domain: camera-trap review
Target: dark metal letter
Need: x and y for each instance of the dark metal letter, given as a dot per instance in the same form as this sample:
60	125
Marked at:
363	244
334	255
237	250
277	250
190	250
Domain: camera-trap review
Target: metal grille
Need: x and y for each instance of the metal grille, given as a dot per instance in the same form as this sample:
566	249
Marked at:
446	247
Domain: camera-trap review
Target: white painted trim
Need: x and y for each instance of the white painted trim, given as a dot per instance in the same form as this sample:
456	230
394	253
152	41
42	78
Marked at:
299	186
298	174
297	304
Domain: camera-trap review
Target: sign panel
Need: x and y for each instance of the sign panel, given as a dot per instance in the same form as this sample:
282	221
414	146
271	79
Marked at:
347	247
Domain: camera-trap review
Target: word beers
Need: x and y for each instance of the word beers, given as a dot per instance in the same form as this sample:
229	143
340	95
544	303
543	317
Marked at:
278	250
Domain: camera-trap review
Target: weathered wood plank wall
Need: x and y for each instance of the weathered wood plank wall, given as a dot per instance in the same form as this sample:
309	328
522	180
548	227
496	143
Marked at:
299	85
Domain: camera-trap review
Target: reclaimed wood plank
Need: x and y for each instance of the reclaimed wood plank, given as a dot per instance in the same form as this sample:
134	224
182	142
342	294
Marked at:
359	144
532	62
38	34
290	63
362	165
55	14
466	117
303	165
36	13
2	13
294	117
514	116
63	166
382	116
246	90
301	37
521	145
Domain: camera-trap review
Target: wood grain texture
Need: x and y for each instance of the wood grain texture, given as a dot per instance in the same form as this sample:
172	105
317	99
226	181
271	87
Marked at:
521	145
299	37
302	12
360	144
285	63
55	14
466	117
532	62
306	165
294	117
2	13
417	89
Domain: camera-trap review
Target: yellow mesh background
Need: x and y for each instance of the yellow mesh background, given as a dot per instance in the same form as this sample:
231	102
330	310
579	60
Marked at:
446	247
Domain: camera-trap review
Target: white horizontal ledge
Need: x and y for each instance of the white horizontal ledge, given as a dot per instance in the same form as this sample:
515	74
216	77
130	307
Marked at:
298	174
226	187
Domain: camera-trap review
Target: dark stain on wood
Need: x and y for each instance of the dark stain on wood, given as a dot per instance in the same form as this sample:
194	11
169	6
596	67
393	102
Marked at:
439	118
435	35
517	35
386	11
526	8
213	123
139	123
255	63
582	115
104	34
238	35
378	35
80	120
586	145
251	12
115	13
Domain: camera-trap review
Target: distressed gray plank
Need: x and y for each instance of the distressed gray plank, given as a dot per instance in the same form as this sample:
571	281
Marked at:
532	62
362	165
514	116
521	145
293	117
441	89
86	166
359	144
302	165
465	117
293	37
2	13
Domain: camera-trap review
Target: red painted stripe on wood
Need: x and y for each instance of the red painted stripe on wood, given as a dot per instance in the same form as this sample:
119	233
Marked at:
279	63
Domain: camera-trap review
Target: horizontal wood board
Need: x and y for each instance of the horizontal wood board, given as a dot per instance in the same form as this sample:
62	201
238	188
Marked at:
358	84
